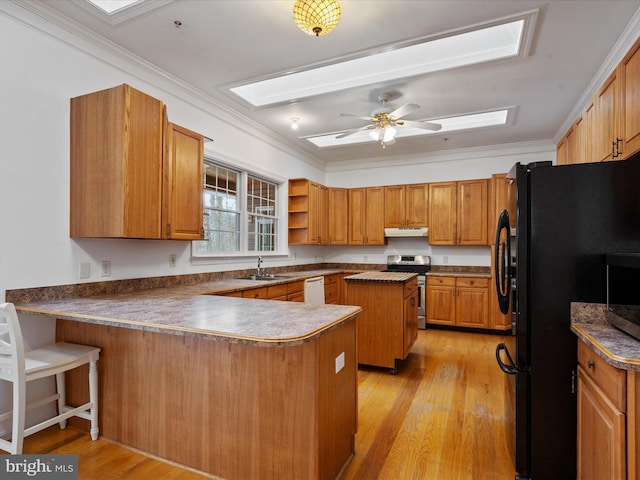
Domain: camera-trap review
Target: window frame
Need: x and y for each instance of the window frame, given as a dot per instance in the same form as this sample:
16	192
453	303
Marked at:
244	172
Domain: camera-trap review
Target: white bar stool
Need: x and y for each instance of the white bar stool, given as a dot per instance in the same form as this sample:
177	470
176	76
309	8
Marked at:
20	367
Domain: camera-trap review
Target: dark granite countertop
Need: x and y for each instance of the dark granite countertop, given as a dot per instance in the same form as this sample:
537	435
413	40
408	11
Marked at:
617	348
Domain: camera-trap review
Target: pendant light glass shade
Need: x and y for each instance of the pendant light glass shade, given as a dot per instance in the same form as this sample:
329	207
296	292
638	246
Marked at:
316	17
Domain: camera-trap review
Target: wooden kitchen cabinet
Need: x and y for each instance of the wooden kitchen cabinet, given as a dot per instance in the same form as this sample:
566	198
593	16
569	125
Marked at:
602	432
458	212
609	129
406	206
366	207
182	194
388	325
472	302
338	216
332	289
442	213
307	212
132	171
457	301
440	303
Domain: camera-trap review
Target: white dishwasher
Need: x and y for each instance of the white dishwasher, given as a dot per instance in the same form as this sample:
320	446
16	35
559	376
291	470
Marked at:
314	291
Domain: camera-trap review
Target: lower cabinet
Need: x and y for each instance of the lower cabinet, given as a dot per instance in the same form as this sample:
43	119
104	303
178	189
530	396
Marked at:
457	301
602	421
388	325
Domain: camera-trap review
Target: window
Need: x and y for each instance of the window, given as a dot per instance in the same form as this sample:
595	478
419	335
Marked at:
240	213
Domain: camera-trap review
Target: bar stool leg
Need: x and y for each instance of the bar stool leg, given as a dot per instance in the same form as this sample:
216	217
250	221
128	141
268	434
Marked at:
62	397
93	398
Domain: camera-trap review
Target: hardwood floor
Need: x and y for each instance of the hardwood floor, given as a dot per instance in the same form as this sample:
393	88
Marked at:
442	417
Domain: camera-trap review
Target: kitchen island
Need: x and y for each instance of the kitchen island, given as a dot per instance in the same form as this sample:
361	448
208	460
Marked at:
236	388
388	326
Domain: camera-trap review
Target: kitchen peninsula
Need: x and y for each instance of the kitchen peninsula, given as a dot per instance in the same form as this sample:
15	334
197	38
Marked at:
237	388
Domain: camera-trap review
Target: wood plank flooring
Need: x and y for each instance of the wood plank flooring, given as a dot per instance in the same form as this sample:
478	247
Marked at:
442	417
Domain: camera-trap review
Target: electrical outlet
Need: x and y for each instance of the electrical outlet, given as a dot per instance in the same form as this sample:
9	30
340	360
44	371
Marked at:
85	270
339	362
172	260
105	268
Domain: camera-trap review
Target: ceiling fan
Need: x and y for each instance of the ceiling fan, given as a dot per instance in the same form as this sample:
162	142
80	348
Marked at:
383	120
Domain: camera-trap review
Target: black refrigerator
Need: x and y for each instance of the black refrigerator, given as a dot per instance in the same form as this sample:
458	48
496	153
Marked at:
567	219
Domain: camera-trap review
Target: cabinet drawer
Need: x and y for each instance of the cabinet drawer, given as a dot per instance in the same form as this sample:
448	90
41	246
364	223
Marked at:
330	280
410	287
611	380
295	287
472	282
260	292
445	281
277	290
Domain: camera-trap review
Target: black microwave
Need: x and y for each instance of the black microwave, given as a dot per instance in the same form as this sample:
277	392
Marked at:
623	292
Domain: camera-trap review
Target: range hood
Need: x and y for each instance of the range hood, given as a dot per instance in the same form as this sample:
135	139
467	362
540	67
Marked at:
406	232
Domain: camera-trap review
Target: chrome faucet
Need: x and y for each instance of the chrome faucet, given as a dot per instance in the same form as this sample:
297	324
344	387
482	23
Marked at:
259	272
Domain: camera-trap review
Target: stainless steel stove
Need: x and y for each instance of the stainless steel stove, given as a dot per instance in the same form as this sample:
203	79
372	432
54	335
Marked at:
419	264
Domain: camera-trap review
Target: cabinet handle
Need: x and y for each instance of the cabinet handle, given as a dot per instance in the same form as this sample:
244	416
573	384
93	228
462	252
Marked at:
590	364
615	148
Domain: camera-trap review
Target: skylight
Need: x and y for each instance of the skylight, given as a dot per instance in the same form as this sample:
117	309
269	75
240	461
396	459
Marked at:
111	6
507	39
450	124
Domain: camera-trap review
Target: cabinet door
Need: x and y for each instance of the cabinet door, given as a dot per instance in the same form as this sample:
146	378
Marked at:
183	178
472	305
394	207
410	322
630	101
374	211
417	205
116	155
440	303
442	213
357	219
504	198
601	434
338	216
607	111
472	212
315	200
562	152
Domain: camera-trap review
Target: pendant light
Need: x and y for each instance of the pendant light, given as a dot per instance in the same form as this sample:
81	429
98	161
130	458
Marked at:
316	17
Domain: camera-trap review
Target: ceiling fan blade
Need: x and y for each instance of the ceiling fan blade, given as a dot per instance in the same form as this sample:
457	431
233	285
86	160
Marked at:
368	119
423	125
351	132
405	109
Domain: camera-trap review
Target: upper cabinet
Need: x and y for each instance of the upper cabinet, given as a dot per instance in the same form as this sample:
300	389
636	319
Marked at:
366	224
133	175
458	212
338	216
609	129
406	206
183	178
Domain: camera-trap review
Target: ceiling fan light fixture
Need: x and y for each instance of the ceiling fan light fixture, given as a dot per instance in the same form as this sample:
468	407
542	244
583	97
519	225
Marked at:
389	134
316	17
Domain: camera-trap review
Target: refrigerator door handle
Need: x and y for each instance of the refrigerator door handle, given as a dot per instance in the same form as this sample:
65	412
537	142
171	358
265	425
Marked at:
511	368
501	262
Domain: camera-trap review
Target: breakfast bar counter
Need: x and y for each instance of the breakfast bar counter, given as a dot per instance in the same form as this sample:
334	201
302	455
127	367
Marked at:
236	388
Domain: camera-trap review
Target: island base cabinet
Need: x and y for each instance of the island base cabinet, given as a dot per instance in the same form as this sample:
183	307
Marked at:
237	410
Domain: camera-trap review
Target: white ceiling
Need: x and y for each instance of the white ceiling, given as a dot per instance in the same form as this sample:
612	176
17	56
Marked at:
223	43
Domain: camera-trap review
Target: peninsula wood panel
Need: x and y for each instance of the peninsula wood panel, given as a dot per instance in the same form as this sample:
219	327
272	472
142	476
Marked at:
230	409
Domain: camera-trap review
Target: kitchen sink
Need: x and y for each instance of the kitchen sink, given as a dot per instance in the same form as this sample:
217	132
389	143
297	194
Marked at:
264	277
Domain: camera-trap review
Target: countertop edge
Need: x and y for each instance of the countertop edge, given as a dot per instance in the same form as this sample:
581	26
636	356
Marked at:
195	332
589	325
